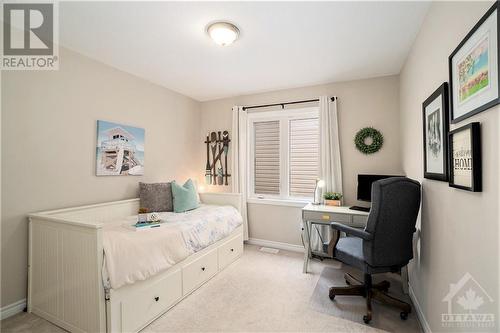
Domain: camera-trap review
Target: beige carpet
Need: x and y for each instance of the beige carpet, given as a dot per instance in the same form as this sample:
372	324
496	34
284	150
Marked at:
353	308
260	292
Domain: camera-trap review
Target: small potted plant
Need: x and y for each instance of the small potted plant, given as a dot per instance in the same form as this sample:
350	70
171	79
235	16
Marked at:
142	216
332	198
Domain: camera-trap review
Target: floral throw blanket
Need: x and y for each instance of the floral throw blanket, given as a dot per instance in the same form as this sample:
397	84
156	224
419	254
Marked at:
131	256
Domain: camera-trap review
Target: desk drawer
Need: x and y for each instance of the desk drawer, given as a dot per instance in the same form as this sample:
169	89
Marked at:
327	217
359	221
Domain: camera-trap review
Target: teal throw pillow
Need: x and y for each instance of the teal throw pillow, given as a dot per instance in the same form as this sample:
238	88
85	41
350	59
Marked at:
185	197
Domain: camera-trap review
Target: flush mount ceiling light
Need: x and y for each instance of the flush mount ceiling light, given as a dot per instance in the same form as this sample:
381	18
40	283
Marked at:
223	33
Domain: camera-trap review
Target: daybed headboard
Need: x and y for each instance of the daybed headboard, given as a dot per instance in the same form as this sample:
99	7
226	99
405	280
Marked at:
91	215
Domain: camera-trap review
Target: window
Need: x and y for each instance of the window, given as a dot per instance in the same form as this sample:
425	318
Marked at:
283	150
267	157
304	156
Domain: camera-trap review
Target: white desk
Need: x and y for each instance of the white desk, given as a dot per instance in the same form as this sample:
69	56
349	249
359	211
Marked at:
321	214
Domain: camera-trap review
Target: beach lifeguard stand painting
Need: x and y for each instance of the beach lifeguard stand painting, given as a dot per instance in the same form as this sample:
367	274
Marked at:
120	150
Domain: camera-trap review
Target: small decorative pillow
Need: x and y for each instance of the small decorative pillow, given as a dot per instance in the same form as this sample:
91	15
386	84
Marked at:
185	196
156	197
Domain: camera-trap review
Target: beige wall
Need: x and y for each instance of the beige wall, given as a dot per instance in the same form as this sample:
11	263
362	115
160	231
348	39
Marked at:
49	138
372	102
459	230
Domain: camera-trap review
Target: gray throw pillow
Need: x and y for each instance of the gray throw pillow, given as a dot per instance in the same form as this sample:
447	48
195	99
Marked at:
156	197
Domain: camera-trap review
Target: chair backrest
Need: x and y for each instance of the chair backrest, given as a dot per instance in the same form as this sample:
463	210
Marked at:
392	219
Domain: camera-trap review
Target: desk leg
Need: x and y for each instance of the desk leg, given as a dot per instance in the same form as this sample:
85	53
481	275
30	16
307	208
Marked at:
404	279
307	244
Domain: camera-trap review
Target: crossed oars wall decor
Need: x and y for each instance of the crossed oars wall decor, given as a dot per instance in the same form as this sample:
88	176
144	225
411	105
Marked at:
216	172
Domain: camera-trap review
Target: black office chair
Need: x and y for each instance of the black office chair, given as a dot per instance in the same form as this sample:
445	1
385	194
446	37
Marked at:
385	245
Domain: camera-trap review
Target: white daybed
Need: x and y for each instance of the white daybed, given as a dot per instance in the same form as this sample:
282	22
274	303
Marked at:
66	269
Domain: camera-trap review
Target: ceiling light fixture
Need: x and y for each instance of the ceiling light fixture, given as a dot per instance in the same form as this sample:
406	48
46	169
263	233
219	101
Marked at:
223	33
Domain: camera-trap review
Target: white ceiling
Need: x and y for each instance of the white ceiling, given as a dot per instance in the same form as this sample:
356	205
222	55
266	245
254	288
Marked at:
282	44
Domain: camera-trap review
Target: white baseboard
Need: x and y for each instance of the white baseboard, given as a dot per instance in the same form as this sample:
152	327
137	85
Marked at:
276	245
12	309
423	322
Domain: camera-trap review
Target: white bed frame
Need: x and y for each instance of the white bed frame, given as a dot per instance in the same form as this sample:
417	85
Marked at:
65	270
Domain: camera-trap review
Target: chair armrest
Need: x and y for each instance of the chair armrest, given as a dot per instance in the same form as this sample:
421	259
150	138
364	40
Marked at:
351	231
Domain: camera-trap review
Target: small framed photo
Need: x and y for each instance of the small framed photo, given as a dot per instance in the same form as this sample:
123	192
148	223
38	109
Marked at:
473	67
435	134
465	158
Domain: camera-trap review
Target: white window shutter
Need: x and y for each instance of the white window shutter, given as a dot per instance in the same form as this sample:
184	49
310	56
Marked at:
267	157
304	156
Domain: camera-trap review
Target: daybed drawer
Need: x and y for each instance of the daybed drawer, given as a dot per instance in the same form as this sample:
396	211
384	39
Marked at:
150	301
230	250
198	271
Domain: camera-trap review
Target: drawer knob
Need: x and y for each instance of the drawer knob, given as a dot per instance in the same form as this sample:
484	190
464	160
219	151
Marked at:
157	298
232	250
203	268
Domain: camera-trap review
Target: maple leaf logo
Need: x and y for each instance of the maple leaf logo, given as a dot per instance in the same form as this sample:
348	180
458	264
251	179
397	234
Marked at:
470	301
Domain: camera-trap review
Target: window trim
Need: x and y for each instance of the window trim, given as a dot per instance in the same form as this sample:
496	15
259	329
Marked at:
284	117
280	202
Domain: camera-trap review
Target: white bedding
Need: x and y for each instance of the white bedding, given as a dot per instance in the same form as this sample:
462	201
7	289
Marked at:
131	256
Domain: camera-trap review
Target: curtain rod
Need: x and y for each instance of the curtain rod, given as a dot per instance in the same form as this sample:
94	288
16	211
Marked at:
283	104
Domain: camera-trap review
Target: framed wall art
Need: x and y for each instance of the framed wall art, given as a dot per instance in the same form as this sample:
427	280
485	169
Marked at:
120	150
465	158
435	134
473	67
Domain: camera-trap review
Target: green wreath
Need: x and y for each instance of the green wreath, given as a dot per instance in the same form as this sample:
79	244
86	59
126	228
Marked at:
365	133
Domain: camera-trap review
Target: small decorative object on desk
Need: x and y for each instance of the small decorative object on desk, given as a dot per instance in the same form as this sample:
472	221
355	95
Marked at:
332	198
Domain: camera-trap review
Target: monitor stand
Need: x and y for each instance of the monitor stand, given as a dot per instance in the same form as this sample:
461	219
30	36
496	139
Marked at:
362	209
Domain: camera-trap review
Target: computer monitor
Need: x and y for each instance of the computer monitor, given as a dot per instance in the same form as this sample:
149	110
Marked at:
365	185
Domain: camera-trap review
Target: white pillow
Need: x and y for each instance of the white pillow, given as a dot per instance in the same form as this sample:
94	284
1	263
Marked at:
195	182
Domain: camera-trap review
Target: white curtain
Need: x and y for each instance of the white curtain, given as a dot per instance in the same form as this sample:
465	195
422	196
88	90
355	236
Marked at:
239	161
330	166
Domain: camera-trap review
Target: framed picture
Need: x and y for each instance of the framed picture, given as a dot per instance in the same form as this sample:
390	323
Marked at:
473	66
435	134
465	158
120	150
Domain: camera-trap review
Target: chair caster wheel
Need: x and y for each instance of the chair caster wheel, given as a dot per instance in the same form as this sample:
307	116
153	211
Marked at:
403	315
367	319
332	297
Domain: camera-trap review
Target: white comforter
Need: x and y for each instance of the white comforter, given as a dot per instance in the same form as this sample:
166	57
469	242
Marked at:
131	256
